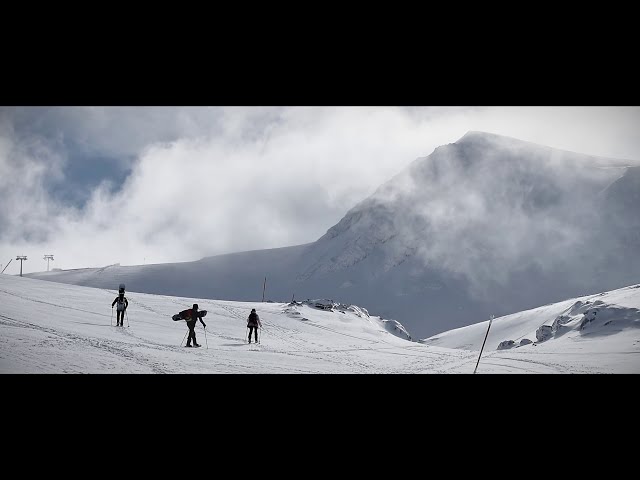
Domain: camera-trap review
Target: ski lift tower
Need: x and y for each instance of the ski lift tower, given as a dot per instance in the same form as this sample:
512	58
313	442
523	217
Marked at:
47	258
21	258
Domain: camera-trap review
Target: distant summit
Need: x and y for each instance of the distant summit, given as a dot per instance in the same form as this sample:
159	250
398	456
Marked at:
475	136
487	225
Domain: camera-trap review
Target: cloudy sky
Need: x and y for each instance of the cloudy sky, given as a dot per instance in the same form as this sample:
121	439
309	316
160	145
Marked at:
96	186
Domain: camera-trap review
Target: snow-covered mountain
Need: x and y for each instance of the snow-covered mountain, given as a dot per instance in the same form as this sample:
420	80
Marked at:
485	225
601	326
48	327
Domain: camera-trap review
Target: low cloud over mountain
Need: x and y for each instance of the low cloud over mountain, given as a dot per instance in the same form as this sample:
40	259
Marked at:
485	225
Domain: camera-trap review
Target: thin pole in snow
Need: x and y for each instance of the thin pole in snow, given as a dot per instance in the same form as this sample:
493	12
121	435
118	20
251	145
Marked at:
485	339
5	267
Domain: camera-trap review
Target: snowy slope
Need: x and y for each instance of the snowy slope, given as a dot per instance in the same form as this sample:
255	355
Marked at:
605	326
48	327
488	225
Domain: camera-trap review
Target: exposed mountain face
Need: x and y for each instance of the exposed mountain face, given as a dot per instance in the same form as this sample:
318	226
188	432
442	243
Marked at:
490	224
486	202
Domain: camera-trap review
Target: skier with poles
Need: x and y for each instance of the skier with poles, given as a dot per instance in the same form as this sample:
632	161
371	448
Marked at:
123	303
192	316
253	322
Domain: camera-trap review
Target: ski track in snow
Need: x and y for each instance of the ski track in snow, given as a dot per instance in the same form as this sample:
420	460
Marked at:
118	349
541	367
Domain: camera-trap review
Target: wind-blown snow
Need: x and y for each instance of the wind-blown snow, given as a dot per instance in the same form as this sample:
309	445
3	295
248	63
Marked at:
48	327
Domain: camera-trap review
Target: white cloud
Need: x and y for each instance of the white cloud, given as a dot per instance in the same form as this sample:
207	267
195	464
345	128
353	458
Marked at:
215	180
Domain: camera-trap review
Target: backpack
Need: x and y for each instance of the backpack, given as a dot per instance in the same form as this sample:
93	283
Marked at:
120	304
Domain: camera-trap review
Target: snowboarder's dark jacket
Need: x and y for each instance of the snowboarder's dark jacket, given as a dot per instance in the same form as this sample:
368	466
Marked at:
189	316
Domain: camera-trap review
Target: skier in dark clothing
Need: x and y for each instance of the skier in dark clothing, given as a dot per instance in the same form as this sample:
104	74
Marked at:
193	317
253	322
123	303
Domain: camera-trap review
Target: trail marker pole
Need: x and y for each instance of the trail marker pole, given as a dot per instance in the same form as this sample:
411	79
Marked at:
485	339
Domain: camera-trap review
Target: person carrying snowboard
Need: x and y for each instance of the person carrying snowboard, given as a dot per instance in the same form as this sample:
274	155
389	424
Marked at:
123	303
253	322
192	317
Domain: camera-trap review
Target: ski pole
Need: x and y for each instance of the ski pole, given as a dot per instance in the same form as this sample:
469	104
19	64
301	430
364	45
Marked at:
185	336
112	316
485	339
127	315
246	339
205	338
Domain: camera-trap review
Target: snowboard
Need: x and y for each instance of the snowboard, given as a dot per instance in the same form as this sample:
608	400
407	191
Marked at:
201	314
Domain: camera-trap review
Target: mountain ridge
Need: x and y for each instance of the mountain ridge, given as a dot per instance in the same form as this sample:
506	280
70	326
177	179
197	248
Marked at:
489	223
